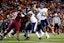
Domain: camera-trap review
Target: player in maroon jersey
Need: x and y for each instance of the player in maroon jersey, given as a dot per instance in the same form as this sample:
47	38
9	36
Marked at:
15	23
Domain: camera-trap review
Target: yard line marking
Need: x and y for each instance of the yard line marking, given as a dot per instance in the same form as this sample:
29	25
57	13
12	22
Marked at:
26	41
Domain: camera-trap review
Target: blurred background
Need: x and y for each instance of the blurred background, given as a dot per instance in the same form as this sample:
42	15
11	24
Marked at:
9	6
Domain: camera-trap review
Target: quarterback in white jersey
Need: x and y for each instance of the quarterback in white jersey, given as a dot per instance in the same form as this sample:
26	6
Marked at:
42	16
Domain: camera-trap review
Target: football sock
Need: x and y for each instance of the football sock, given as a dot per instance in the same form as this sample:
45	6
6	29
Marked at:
42	33
37	34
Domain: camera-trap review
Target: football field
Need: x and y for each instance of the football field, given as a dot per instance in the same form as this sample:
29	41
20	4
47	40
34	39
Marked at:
33	39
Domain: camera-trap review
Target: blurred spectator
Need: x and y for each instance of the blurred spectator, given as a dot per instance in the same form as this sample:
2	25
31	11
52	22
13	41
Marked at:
57	0
57	22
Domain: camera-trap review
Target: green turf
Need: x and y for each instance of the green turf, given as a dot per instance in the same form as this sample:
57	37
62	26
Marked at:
33	39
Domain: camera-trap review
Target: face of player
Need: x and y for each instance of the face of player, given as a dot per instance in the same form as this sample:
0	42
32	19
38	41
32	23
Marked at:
29	15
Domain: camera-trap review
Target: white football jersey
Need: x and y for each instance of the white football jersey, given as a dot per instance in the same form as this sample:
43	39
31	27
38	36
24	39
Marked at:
42	13
39	17
33	19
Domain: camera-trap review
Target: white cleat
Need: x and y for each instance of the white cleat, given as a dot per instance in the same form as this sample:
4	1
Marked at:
47	37
5	37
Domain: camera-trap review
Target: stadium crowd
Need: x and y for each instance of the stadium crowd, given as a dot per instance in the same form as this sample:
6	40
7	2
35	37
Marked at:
7	7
